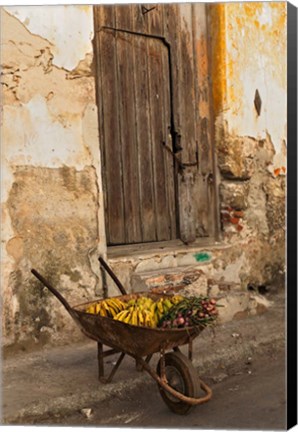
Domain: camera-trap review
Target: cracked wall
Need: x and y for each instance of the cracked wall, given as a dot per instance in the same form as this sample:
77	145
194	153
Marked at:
51	190
249	59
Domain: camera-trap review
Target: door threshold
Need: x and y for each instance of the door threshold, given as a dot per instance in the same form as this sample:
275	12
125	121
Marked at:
164	247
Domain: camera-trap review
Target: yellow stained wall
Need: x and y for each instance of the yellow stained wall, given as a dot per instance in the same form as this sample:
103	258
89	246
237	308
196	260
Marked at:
249	53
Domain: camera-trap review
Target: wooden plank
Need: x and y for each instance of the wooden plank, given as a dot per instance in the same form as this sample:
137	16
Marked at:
143	130
168	158
184	81
171	30
139	20
158	128
111	129
206	204
127	114
201	72
143	126
187	85
165	190
154	73
155	19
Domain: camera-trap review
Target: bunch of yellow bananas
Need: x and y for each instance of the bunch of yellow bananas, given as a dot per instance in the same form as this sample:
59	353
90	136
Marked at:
107	308
139	311
144	311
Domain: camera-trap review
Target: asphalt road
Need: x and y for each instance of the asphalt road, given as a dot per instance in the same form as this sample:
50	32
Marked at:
251	396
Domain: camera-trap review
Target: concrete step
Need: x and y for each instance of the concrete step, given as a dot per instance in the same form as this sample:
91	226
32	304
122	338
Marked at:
236	303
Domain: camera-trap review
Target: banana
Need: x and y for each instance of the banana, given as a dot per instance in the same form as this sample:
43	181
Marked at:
140	317
160	306
121	315
113	308
90	309
167	303
131	302
97	308
158	314
134	317
153	308
121	305
103	311
113	312
127	318
148	321
176	298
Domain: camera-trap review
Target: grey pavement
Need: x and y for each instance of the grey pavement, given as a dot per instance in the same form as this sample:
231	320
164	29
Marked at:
62	379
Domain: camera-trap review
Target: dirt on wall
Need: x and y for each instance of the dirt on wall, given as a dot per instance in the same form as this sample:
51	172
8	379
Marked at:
53	215
253	207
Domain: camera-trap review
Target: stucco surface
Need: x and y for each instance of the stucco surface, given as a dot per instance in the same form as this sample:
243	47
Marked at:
250	54
51	191
45	21
50	188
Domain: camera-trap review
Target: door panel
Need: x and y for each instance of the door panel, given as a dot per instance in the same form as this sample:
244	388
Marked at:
153	88
140	197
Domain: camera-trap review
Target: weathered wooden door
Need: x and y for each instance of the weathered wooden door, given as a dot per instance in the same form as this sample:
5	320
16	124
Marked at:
155	174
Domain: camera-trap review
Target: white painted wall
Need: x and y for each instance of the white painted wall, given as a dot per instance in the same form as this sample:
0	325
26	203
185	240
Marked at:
69	29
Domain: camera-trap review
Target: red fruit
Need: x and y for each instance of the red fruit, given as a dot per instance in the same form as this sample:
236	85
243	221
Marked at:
201	314
213	301
180	321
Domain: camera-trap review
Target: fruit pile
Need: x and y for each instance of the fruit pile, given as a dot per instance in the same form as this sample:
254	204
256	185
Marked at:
189	312
168	312
140	311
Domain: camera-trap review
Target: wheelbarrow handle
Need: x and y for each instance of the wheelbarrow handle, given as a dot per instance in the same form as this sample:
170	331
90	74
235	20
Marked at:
52	289
112	274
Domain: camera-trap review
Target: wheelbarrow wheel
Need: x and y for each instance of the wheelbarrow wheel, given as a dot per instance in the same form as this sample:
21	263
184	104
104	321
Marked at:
182	377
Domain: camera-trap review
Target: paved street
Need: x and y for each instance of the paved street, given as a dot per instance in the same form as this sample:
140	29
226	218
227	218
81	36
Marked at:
251	396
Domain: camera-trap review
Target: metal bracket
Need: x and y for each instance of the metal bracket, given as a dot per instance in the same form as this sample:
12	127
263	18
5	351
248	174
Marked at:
181	165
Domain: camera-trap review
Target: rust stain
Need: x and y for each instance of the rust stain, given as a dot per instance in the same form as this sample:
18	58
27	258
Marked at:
218	56
230	20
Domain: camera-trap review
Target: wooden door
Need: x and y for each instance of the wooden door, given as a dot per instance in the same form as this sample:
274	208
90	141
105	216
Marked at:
156	151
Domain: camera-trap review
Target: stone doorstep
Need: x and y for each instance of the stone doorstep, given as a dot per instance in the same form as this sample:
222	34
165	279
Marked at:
236	303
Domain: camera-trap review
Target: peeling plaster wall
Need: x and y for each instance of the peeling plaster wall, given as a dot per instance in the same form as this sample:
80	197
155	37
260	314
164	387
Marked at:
76	30
50	179
249	53
51	193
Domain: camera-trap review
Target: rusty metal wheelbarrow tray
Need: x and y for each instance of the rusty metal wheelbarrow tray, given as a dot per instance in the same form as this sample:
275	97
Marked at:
136	341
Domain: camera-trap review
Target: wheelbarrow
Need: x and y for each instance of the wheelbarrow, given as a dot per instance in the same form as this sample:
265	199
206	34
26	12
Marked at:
177	379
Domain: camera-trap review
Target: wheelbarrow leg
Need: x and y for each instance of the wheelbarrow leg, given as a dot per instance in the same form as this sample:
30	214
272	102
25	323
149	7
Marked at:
100	361
119	361
139	366
190	347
